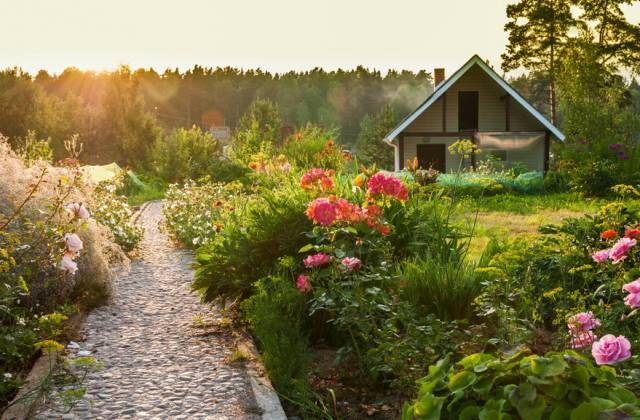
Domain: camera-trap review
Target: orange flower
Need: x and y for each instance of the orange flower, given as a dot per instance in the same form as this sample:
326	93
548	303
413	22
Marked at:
632	233
384	230
359	181
609	234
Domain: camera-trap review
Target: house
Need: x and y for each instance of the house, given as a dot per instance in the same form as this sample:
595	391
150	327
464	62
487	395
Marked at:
475	103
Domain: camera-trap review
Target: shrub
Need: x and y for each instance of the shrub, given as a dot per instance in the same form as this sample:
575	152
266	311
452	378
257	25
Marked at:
31	150
556	385
113	212
313	147
477	184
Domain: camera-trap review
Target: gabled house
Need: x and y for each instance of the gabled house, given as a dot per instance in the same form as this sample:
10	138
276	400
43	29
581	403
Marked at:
474	103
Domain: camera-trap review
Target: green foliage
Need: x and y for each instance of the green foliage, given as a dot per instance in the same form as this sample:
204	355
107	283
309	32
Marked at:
557	386
313	147
194	212
276	316
259	130
113	212
487	184
187	154
254	236
371	150
32	150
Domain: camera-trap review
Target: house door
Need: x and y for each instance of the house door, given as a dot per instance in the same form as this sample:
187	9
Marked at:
432	156
467	110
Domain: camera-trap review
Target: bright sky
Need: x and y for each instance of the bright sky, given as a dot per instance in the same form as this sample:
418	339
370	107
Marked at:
276	35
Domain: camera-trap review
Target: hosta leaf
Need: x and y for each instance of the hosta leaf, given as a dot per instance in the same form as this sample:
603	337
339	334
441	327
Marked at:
461	380
475	359
428	407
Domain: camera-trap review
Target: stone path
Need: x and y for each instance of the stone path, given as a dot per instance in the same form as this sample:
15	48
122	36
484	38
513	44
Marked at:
155	364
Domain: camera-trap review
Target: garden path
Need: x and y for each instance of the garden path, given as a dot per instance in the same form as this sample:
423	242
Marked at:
156	364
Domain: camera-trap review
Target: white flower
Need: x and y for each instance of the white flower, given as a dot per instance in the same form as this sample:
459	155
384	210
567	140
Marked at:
78	210
8	375
67	264
73	242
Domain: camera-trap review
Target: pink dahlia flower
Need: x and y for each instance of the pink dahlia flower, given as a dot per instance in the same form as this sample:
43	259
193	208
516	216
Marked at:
351	263
73	242
610	349
601	256
322	211
583	339
583	322
620	249
302	283
387	185
317	260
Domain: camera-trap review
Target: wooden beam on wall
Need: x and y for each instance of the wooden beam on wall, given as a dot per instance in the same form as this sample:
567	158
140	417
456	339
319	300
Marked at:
473	155
401	150
507	107
444	112
547	150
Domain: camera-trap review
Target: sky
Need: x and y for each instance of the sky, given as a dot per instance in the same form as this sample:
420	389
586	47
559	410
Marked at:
275	35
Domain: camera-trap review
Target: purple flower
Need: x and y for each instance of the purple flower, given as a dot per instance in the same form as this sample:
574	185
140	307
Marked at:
622	155
614	146
610	349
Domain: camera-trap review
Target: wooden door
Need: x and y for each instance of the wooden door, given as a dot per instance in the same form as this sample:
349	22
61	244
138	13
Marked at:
432	156
467	110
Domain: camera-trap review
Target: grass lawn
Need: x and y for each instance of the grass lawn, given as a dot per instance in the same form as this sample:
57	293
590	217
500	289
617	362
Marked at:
508	215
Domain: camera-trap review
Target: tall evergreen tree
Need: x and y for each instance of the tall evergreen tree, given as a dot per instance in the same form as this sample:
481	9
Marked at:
538	32
373	128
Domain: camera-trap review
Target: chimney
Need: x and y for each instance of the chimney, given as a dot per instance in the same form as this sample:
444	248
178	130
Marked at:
438	77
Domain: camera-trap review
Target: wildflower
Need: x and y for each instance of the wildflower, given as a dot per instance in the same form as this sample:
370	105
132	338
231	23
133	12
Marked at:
78	210
583	339
609	234
317	260
601	256
610	349
67	264
302	283
633	298
582	322
351	263
632	233
72	242
317	177
384	230
322	211
381	184
358	181
619	250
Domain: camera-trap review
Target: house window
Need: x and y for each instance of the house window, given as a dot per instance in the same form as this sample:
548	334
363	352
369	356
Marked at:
467	110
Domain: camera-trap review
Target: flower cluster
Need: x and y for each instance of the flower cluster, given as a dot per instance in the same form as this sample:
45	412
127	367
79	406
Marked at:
72	242
581	328
617	253
318	178
326	211
387	185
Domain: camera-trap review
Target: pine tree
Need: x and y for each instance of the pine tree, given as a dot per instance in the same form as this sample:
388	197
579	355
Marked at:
373	128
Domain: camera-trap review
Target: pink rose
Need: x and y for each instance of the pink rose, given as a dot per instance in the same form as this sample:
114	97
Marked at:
317	260
72	242
582	322
632	300
611	349
633	287
78	210
67	264
583	339
601	256
351	263
302	283
619	250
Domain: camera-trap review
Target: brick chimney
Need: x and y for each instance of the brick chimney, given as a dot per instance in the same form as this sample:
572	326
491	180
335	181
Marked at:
438	77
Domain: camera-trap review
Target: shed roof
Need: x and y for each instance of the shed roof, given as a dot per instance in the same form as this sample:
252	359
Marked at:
444	86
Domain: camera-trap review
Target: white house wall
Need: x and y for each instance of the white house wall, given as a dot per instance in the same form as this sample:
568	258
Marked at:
411	149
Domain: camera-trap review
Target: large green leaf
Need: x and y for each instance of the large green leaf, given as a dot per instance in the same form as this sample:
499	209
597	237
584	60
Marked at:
476	359
548	366
461	380
428	407
623	396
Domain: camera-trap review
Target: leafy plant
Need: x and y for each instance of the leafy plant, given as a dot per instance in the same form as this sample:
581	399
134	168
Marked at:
557	386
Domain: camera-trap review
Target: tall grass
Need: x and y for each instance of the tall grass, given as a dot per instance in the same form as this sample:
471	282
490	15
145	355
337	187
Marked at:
445	287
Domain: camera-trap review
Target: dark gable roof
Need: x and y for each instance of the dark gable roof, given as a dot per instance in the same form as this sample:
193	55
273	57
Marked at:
444	86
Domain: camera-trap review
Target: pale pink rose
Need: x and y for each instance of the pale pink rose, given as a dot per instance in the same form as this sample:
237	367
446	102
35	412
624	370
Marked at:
72	242
583	339
632	300
351	263
610	349
78	210
619	250
317	260
302	283
601	256
582	322
633	287
67	264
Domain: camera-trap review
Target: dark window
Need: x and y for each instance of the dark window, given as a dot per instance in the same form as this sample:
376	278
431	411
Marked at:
467	110
432	156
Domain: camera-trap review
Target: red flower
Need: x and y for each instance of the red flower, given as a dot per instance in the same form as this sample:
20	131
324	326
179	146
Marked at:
609	234
632	233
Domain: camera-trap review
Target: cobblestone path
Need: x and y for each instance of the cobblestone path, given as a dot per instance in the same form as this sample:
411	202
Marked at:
155	364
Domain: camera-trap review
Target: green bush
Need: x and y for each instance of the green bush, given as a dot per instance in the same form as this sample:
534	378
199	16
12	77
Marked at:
557	182
487	184
556	386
